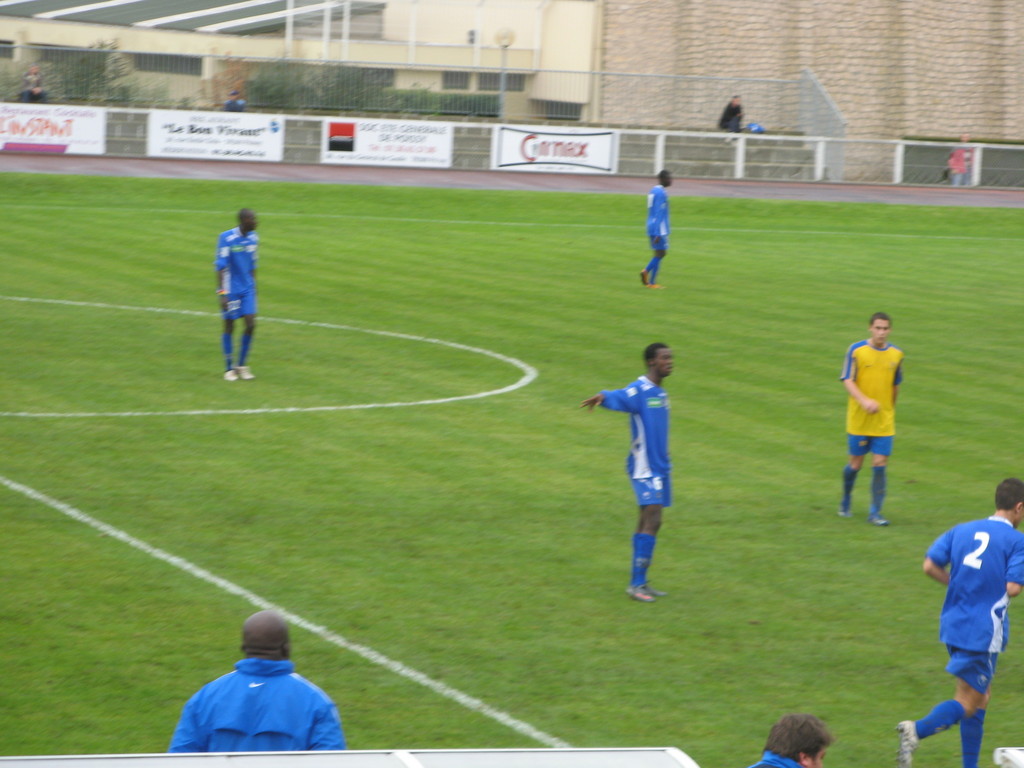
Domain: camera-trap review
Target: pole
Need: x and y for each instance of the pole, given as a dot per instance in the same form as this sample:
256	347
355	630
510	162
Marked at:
503	82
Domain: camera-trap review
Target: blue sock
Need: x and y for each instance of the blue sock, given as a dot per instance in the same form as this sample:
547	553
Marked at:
652	269
971	729
643	551
849	478
945	715
246	343
877	490
225	344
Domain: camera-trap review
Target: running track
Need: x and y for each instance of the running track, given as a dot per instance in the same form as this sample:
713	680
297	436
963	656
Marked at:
455	179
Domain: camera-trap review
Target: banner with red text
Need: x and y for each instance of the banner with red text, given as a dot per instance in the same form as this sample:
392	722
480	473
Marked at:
409	143
55	128
554	150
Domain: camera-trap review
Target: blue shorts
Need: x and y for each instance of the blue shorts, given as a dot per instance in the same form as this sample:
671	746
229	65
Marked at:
976	668
661	244
240	305
653	490
863	444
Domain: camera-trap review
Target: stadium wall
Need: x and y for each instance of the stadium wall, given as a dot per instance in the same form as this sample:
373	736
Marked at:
896	67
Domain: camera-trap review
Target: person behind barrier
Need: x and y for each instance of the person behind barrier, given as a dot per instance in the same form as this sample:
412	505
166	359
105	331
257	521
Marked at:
796	741
32	86
263	706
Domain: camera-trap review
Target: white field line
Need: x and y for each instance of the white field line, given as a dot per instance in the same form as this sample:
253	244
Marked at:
529	372
469	702
539	224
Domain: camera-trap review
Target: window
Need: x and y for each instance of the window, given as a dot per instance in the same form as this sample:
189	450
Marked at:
169	63
384	78
558	110
455	81
6	49
491	81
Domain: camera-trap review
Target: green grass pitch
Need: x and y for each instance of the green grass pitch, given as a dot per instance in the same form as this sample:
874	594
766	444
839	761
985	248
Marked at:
485	542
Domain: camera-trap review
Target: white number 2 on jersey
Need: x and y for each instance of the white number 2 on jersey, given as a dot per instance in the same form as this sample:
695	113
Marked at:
973	559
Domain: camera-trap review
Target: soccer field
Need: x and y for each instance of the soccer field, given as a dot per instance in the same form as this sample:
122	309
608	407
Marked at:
410	476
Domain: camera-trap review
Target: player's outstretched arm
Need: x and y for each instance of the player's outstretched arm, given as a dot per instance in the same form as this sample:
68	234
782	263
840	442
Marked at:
590	402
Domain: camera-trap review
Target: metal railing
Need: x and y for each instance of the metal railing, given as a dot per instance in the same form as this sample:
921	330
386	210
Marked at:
102	75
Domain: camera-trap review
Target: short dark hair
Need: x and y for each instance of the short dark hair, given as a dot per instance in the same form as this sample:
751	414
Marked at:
1009	493
880	316
651	351
798	734
664	174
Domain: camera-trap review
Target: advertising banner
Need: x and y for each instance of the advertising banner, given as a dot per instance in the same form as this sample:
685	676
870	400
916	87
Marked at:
410	143
54	128
554	150
215	135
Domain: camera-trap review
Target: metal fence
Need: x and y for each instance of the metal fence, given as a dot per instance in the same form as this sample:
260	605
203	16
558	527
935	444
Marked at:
105	76
815	159
664	122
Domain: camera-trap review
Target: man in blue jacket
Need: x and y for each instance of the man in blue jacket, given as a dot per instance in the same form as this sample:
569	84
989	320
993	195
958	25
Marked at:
796	741
263	706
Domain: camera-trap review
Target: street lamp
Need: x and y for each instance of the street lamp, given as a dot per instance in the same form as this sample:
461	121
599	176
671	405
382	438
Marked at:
504	38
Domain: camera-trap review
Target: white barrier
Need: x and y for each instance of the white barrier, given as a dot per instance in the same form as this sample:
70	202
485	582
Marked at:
1009	757
654	757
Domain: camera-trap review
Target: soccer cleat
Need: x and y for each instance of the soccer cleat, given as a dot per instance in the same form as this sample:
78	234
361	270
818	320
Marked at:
230	375
908	743
643	277
639	592
877	520
244	372
652	591
657	286
844	509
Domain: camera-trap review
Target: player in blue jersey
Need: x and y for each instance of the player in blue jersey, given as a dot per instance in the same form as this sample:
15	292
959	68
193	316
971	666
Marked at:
985	561
648	465
657	228
235	265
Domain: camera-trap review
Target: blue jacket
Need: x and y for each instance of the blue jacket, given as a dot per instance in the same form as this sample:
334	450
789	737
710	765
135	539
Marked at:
263	706
773	760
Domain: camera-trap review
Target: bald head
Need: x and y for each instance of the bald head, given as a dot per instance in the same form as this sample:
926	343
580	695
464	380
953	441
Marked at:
265	636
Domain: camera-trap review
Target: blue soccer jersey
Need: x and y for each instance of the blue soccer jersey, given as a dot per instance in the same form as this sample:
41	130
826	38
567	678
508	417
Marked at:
236	255
657	212
647	404
983	556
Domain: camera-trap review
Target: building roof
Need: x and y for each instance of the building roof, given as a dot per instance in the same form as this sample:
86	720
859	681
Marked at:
240	17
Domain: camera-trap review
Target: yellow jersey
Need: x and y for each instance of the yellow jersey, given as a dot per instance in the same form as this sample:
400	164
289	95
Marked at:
876	372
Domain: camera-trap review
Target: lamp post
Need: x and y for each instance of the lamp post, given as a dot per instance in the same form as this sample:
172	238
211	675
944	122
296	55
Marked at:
504	38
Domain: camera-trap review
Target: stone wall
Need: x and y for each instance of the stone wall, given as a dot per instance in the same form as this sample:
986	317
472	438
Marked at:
894	67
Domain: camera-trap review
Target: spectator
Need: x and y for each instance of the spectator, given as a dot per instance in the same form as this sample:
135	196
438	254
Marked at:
732	116
32	86
960	163
796	741
263	706
235	103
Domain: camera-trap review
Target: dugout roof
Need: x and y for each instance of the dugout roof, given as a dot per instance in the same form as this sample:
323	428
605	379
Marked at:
240	17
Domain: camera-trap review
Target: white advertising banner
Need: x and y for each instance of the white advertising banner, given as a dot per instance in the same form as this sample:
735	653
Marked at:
215	135
410	143
56	128
554	150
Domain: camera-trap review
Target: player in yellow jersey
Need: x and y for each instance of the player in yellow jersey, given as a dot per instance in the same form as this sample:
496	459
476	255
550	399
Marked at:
872	372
